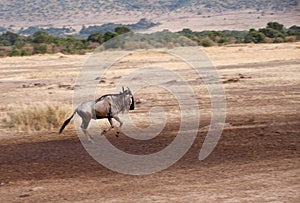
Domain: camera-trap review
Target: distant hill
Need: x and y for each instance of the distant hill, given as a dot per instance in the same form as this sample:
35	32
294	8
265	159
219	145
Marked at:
47	13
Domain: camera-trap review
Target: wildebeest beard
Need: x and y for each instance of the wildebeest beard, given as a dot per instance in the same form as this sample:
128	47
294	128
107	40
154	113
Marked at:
132	104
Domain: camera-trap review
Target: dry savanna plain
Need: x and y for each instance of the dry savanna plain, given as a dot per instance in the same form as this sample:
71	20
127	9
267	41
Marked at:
257	158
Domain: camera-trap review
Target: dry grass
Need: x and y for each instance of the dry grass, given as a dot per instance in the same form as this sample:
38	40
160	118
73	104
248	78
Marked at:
43	117
52	74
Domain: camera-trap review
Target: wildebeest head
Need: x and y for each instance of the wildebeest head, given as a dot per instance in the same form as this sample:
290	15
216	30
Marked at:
129	96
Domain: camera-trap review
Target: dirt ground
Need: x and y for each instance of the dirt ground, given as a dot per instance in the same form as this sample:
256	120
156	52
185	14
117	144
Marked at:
256	160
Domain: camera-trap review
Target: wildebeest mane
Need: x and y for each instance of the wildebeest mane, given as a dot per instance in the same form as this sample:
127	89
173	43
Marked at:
100	98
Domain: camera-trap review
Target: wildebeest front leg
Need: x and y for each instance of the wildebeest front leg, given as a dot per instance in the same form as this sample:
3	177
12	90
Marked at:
111	126
118	119
121	123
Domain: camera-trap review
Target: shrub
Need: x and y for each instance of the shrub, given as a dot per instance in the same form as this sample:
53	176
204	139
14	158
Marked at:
40	49
24	53
36	118
19	44
254	36
268	40
42	37
14	52
4	50
221	40
272	33
109	35
276	26
96	37
28	48
8	38
122	30
207	42
291	39
278	40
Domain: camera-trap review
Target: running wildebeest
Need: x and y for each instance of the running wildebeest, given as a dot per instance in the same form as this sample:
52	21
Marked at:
107	106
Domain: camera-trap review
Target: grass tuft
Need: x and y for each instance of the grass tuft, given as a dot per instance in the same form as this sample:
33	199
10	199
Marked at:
43	117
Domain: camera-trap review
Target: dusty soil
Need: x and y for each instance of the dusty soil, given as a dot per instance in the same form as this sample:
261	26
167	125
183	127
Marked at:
256	160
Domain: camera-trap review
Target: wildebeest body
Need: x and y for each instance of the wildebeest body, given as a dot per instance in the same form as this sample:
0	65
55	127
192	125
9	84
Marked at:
107	106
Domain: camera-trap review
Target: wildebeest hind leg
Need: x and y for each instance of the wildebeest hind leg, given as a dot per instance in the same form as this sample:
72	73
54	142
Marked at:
84	126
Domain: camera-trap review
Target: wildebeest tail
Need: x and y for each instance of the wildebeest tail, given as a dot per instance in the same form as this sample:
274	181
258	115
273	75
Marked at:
66	122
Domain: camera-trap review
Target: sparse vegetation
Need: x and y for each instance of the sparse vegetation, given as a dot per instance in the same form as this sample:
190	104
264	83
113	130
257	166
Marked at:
143	24
274	32
206	42
40	43
36	118
52	31
12	44
254	36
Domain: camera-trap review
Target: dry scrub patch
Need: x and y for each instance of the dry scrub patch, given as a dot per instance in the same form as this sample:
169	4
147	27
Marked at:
36	117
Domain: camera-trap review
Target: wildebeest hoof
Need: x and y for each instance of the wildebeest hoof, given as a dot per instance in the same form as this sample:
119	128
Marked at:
91	140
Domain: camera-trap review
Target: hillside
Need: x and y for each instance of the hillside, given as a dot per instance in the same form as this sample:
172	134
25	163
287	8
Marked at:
184	13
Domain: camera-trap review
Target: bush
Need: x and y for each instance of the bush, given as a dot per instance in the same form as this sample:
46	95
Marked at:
278	40
96	37
14	52
19	44
27	50
221	40
207	42
254	36
24	53
291	39
8	39
272	33
268	40
40	49
109	35
275	26
42	37
122	30
36	118
4	50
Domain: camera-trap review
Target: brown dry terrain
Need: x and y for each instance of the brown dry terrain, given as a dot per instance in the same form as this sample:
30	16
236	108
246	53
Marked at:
256	160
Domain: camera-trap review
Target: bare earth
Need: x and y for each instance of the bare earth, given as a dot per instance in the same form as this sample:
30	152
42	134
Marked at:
256	160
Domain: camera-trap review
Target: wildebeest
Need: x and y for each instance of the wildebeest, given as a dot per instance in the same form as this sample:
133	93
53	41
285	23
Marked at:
107	106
